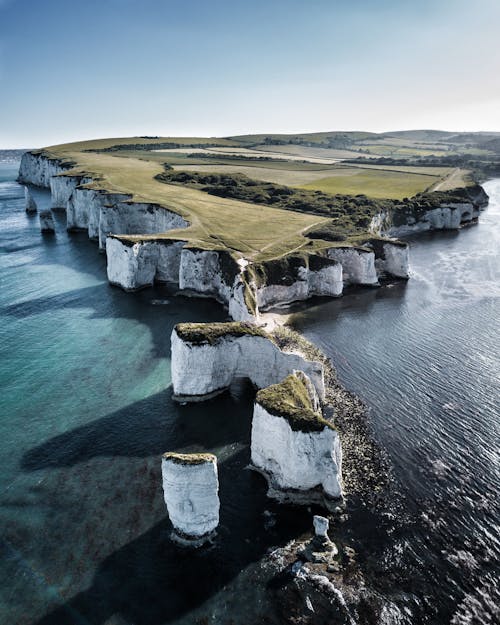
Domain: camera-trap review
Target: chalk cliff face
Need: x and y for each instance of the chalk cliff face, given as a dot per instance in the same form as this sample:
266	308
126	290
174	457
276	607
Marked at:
62	187
392	258
190	488
37	169
296	449
201	368
447	210
358	265
302	279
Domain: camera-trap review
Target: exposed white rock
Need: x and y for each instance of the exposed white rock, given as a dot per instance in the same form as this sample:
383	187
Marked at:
321	525
47	221
131	266
31	206
203	368
191	493
358	265
393	259
448	216
323	280
293	455
62	186
119	215
37	169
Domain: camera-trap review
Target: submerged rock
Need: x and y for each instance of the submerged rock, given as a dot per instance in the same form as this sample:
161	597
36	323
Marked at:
31	206
191	492
47	221
296	449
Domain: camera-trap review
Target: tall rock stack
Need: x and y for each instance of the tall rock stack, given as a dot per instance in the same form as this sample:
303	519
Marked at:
191	492
31	207
47	221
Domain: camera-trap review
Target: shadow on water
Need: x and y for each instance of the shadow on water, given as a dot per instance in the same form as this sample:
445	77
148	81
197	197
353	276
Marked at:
146	428
151	581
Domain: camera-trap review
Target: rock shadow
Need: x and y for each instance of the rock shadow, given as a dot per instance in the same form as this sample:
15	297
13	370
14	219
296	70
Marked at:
150	427
150	580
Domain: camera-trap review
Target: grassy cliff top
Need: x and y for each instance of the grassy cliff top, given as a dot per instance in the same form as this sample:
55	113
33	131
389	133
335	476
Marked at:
243	215
203	333
243	228
290	400
189	459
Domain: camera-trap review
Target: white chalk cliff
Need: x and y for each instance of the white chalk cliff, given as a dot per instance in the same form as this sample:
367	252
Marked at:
202	367
191	493
358	265
292	445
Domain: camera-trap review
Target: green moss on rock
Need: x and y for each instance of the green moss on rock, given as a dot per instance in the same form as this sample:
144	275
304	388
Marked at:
210	333
290	400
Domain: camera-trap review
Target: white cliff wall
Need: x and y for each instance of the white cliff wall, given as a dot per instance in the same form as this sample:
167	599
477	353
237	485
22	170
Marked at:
191	495
202	369
133	266
37	169
294	459
358	266
394	260
324	281
62	187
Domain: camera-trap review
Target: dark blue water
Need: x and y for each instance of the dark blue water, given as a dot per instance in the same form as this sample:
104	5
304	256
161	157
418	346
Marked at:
86	413
425	358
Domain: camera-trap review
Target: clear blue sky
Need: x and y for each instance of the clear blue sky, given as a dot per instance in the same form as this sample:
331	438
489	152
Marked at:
75	69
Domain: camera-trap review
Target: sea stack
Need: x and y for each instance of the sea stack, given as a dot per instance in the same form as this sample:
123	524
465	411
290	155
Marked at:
293	445
47	221
191	492
30	202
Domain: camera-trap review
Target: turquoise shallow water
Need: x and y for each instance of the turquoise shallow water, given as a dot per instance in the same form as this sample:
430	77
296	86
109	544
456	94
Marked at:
86	413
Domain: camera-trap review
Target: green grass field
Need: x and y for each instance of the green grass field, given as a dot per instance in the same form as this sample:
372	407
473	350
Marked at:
258	231
376	183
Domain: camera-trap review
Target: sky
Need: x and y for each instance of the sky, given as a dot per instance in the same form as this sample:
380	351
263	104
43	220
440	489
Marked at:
81	69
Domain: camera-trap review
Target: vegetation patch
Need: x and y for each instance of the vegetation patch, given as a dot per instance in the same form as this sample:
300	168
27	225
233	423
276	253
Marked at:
211	333
189	459
290	400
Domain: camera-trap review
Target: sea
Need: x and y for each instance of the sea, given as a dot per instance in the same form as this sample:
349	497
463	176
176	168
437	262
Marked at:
86	412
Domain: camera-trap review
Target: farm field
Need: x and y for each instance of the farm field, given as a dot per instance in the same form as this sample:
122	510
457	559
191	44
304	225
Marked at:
375	183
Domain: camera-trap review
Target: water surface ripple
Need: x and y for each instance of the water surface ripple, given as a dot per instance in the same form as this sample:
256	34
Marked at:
424	356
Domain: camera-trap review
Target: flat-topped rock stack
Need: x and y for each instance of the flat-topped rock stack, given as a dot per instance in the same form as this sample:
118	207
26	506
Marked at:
293	445
47	221
191	493
30	203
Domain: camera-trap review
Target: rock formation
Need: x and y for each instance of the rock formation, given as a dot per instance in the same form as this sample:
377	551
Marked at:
207	357
31	207
297	450
47	221
190	488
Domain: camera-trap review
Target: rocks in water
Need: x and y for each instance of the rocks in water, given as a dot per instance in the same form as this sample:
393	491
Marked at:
191	492
321	525
320	549
47	221
31	206
293	445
